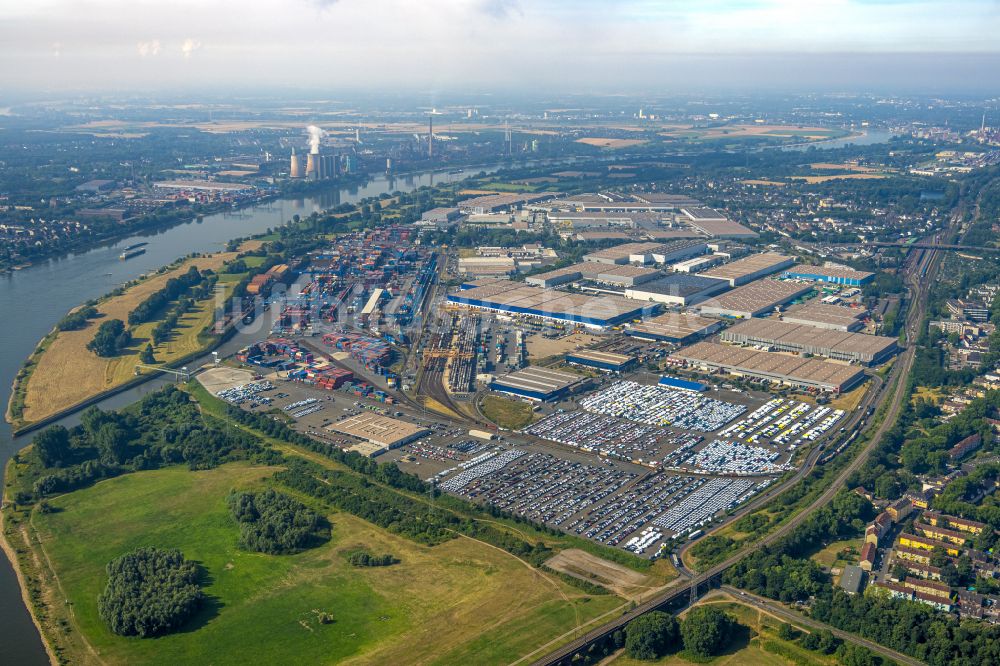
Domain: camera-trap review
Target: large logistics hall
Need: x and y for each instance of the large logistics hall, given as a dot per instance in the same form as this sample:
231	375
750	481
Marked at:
804	339
676	327
602	360
380	433
537	383
832	275
796	371
510	298
677	289
754	299
750	268
832	317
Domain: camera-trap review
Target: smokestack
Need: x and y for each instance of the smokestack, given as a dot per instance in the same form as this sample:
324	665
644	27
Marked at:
430	138
296	167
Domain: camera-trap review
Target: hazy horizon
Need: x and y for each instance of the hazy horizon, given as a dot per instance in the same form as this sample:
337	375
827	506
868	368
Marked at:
592	47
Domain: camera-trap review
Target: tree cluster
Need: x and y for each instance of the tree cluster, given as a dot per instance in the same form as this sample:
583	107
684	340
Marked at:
164	428
363	558
150	592
77	320
274	523
155	303
652	635
912	628
111	338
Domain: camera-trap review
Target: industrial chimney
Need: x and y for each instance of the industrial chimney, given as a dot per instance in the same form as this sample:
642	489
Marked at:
312	166
430	138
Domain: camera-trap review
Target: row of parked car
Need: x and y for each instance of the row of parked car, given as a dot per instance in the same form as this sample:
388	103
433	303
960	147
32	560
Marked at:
662	406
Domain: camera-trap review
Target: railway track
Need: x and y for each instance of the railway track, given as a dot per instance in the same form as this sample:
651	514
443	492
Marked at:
919	276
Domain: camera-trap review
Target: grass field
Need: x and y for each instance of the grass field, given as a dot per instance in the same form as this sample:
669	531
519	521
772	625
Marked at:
830	558
67	374
507	413
457	603
932	393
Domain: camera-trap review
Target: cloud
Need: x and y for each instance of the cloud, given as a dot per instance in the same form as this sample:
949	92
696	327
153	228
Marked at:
501	9
148	49
56	49
190	46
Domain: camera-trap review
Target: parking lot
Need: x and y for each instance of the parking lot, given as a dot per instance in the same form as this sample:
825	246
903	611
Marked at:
663	427
662	406
615	504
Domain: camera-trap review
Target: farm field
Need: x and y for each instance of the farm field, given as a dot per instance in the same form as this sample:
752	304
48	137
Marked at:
458	602
67	373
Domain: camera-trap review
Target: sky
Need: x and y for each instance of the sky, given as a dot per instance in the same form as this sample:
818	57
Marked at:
592	46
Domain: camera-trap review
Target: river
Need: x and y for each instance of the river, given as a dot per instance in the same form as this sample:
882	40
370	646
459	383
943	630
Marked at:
35	298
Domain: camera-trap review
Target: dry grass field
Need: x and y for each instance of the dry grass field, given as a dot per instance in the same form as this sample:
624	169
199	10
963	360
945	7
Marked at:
774	183
607	142
842	176
68	374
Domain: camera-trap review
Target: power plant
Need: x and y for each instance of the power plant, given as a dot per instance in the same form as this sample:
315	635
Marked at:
318	166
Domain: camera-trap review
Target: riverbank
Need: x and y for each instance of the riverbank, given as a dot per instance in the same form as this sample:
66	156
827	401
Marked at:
12	553
61	375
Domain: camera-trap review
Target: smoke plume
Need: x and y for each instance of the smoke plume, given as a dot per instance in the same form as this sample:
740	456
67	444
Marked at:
315	136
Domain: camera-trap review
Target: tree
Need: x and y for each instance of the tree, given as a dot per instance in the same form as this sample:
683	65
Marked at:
651	636
112	443
147	354
706	631
110	339
786	632
52	446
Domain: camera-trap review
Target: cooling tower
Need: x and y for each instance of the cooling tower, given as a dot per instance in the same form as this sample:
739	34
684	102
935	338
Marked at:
312	168
295	171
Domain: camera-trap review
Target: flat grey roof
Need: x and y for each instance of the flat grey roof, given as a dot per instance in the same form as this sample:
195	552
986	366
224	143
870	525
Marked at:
377	429
601	356
773	364
768	261
805	336
542	380
755	297
675	325
825	314
851	578
680	284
